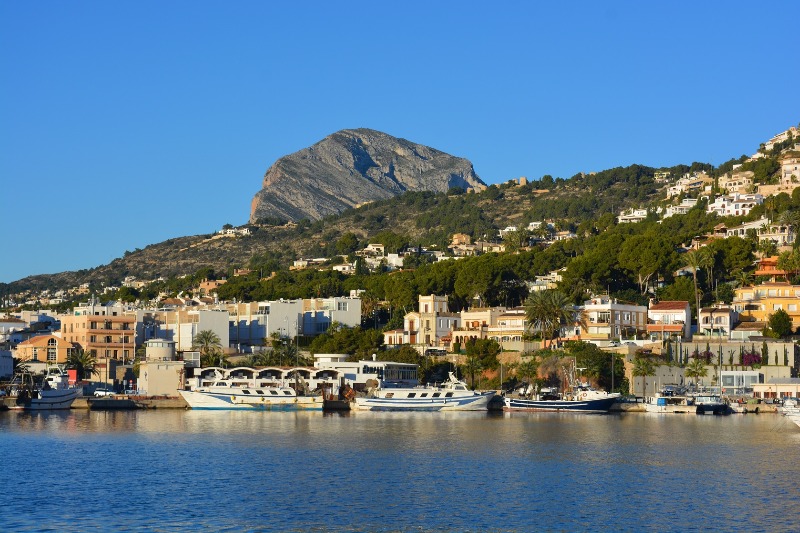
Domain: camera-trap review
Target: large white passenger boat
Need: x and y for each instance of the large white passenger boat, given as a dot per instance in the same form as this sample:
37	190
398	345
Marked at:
253	395
452	395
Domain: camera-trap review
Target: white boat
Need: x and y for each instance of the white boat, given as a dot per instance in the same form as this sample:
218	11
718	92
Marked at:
452	395
23	393
249	395
670	400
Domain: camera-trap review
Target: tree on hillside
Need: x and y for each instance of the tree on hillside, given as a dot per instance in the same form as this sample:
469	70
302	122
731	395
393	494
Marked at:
780	323
645	256
547	311
694	261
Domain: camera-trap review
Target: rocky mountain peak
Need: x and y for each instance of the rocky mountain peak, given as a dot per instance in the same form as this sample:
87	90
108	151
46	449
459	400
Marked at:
351	167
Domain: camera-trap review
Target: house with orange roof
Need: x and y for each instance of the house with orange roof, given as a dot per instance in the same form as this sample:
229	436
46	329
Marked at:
45	348
669	320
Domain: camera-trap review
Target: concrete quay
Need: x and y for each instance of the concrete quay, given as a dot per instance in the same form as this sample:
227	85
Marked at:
128	402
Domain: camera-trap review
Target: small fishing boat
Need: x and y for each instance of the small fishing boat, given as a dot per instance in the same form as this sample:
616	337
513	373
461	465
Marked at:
579	397
710	404
582	398
452	395
25	393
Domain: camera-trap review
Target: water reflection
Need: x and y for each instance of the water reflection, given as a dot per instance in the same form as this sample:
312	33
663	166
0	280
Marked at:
365	471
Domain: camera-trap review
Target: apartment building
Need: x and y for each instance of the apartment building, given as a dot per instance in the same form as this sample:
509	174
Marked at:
608	318
758	303
108	330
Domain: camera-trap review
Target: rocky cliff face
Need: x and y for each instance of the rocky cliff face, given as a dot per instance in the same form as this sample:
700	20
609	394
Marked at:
352	167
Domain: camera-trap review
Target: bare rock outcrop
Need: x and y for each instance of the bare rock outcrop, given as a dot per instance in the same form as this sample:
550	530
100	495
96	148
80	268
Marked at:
352	167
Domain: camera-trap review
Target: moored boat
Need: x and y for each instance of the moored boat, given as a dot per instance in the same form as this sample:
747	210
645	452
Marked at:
662	402
249	395
710	404
55	392
452	395
583	399
579	397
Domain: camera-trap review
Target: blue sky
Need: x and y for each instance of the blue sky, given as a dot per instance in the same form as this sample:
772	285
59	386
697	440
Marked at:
128	123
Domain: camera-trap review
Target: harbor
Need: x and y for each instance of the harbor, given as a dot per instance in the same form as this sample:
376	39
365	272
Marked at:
493	471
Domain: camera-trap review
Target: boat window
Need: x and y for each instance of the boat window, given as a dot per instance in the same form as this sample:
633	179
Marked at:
389	394
423	395
245	391
412	394
273	392
460	387
448	395
436	394
287	392
260	392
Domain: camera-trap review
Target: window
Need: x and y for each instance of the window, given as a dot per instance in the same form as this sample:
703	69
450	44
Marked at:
52	355
412	394
341	306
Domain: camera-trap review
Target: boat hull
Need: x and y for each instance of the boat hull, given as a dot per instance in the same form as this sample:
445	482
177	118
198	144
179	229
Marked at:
46	400
600	405
203	400
465	403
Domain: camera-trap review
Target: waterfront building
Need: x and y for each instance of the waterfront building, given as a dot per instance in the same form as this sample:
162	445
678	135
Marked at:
777	388
107	330
50	349
431	326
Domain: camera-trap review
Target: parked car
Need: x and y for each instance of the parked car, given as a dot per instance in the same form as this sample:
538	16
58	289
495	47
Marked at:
613	344
99	393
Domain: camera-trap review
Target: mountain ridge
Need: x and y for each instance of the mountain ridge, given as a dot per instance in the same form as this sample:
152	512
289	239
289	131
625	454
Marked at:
351	167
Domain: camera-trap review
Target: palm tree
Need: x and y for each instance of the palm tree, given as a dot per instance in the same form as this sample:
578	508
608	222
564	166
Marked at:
528	370
548	310
696	369
744	278
791	218
643	366
693	260
707	260
84	362
209	345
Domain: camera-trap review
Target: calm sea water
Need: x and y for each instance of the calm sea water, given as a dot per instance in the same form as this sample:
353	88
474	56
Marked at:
227	471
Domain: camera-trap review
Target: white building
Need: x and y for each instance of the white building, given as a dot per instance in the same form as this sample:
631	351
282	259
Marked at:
734	204
608	318
631	216
681	208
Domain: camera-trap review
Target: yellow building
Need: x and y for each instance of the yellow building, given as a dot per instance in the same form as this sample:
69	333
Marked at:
759	302
47	348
